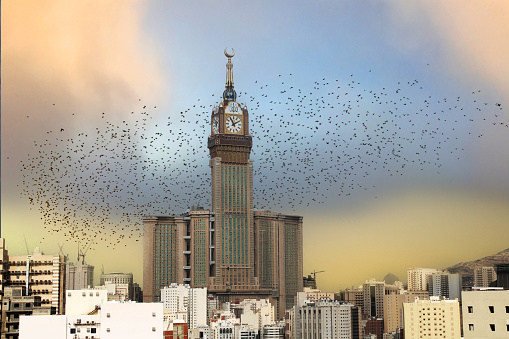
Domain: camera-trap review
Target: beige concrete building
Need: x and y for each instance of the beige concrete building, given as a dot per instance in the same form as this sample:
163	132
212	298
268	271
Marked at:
78	275
486	313
393	308
483	276
43	275
432	319
417	278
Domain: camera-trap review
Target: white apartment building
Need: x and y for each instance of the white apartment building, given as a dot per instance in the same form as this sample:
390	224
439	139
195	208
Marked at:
84	301
313	295
185	299
255	313
486	313
432	319
113	320
324	320
417	278
131	320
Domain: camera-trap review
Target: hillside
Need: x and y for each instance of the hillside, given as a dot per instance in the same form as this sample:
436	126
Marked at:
469	266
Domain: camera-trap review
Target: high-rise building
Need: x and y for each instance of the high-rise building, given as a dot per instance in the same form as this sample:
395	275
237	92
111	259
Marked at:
234	251
432	318
279	258
78	276
484	276
373	293
502	270
393	308
445	285
417	278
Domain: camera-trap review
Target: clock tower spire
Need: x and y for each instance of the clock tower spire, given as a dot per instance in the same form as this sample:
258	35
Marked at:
230	145
229	93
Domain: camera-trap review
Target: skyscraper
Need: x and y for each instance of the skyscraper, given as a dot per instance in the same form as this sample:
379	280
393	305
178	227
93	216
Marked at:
232	192
234	251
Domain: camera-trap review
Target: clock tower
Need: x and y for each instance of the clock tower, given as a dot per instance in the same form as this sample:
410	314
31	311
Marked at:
233	268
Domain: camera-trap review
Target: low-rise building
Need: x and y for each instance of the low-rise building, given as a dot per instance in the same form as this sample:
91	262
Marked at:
485	313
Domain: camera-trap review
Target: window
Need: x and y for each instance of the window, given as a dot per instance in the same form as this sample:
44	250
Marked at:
507	309
153	329
107	315
68	294
72	331
108	330
492	309
153	314
492	326
93	330
470	327
470	309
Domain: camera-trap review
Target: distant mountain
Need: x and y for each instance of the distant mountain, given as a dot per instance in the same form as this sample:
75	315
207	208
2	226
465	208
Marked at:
390	279
469	266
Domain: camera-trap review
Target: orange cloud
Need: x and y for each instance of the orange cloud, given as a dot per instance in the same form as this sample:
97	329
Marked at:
77	52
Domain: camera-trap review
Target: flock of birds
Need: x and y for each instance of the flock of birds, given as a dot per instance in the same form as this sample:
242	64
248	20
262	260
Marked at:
311	144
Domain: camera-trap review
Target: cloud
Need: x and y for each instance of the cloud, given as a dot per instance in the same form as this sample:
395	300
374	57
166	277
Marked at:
94	51
472	36
62	57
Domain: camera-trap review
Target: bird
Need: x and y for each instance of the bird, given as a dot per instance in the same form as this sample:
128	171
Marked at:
312	143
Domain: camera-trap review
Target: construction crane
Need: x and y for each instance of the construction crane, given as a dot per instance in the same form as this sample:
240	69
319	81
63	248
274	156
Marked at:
82	253
315	272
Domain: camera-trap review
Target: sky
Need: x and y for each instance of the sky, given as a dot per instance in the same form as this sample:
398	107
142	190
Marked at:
383	123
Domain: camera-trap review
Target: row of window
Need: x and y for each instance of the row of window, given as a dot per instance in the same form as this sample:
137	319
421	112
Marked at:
490	308
492	327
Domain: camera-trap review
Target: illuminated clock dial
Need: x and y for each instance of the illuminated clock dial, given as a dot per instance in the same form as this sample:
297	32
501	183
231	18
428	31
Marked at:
215	125
233	124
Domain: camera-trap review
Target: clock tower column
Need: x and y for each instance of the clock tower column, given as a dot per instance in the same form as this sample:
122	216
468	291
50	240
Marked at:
232	194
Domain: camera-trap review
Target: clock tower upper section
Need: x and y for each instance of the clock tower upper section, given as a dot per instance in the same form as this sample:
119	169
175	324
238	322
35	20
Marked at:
229	135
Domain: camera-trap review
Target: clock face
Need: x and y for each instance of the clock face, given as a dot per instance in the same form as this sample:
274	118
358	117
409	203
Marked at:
234	108
233	124
215	125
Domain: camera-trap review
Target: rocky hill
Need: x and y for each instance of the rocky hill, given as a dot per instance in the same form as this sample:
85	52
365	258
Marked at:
468	267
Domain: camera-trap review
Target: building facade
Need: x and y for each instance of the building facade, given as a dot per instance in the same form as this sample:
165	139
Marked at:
432	318
485	313
78	276
445	285
393	308
41	275
326	320
484	276
417	278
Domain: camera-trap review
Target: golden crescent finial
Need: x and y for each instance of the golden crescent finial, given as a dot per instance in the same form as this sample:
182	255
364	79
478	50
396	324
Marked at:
229	55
